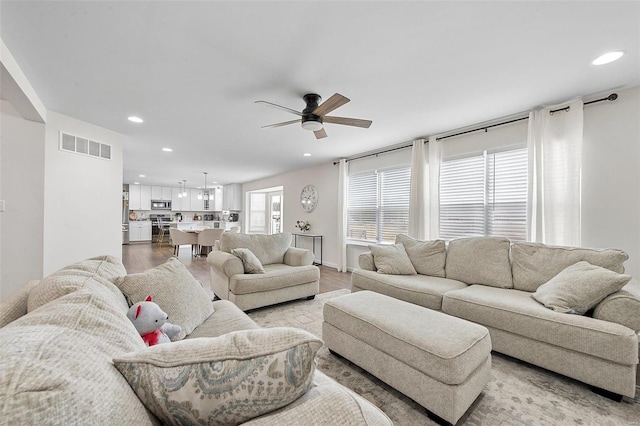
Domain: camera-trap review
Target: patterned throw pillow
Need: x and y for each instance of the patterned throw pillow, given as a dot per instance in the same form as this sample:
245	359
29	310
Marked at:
224	380
174	289
579	288
250	262
392	260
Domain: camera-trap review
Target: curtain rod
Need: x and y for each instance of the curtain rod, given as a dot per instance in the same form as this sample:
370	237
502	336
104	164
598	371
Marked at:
611	97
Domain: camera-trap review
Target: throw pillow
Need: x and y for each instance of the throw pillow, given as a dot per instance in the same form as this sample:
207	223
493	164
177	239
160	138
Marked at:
427	257
175	290
392	260
579	287
250	262
223	380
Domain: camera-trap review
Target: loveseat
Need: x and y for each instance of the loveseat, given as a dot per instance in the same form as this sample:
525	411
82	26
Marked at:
519	291
255	270
69	355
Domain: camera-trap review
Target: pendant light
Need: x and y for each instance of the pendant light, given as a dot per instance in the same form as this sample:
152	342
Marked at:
204	195
180	189
184	188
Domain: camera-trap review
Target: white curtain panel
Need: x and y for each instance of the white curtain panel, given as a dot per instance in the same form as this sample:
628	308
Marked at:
433	219
555	164
343	184
418	202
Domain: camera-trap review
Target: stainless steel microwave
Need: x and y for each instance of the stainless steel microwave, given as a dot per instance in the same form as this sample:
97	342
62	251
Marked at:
160	205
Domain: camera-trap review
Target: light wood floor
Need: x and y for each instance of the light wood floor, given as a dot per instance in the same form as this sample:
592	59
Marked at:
139	257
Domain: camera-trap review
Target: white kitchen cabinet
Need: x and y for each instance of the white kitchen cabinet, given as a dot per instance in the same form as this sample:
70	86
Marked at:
179	203
134	197
145	197
196	204
139	231
232	197
161	193
218	199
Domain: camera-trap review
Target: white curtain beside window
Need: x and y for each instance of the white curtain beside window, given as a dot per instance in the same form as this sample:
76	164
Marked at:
555	164
343	182
433	220
418	203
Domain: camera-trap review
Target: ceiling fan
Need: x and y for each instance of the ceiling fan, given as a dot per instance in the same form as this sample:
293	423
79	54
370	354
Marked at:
314	115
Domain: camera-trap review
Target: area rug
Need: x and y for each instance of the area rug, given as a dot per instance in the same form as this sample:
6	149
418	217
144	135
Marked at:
518	393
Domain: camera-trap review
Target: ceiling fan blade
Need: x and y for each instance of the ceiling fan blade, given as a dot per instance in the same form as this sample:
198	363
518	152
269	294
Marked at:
348	121
293	111
335	101
320	134
285	123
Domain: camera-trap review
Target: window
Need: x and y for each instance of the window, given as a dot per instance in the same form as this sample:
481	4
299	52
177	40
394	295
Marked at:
484	195
378	204
257	212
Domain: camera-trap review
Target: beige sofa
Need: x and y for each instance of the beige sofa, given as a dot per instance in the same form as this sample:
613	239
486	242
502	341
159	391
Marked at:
66	339
491	282
288	272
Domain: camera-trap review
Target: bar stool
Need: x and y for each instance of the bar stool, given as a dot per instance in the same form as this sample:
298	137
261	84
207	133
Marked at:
162	230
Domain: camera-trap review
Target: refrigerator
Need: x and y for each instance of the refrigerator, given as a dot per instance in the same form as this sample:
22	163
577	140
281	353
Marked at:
125	214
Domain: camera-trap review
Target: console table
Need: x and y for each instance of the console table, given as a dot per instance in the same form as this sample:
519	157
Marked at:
314	237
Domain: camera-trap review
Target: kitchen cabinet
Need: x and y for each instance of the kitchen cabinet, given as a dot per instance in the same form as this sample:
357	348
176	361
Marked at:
179	203
139	197
139	231
196	204
161	193
218	199
232	197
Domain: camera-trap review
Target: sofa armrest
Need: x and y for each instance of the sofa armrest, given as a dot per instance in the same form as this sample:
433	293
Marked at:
622	307
365	260
15	305
298	257
225	263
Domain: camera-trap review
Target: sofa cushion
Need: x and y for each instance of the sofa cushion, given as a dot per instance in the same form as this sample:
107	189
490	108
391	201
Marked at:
326	403
422	290
56	363
102	269
480	260
516	312
174	289
392	260
14	306
223	380
267	248
276	276
579	288
249	260
534	264
226	317
427	257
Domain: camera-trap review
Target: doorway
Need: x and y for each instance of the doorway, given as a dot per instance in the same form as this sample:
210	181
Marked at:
265	210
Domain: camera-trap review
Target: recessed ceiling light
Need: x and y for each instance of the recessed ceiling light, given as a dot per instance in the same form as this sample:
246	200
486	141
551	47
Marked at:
167	149
306	154
135	119
142	175
608	57
136	183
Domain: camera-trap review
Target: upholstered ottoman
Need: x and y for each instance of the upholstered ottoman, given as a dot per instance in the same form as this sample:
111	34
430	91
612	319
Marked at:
439	361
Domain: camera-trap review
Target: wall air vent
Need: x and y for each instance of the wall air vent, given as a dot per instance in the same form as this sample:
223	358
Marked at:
84	146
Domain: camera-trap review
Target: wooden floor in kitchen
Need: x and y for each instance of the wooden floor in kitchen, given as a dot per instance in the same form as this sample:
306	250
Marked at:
139	257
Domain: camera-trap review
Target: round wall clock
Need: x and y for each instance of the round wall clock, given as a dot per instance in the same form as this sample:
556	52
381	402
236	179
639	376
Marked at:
309	198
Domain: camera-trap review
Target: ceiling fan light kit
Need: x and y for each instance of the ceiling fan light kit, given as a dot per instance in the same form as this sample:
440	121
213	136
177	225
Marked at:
314	115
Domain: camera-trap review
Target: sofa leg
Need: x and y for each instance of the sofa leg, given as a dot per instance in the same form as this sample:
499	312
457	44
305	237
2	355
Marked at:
607	394
311	297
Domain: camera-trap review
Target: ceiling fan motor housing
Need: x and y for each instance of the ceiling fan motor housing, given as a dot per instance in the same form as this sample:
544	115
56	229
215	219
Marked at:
310	121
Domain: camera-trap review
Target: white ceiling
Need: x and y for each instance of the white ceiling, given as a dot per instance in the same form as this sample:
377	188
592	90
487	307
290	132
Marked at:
192	70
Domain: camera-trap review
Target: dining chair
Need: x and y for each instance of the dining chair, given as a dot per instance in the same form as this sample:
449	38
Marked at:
208	237
182	238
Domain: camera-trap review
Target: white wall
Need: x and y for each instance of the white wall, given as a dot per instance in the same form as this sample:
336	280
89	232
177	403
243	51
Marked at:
22	189
82	196
611	176
324	219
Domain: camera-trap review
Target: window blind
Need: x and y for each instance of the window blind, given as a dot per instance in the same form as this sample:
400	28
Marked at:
484	195
378	204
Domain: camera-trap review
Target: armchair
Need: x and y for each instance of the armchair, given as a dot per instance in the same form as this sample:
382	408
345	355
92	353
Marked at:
289	271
